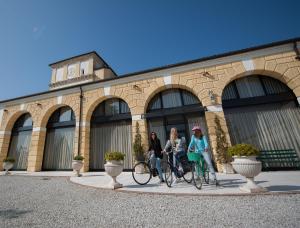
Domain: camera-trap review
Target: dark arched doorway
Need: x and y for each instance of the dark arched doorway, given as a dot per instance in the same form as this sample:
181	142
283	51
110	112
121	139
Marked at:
111	130
20	141
262	111
175	108
58	152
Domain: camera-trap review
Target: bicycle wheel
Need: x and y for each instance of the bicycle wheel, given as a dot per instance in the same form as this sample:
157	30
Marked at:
188	174
168	175
197	175
206	173
141	173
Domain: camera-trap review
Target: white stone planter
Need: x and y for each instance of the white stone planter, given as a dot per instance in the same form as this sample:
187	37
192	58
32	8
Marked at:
114	169
77	165
7	166
248	167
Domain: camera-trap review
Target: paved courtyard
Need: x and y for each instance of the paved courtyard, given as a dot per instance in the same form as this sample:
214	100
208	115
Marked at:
39	201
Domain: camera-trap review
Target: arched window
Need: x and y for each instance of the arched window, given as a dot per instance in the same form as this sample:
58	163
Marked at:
262	111
20	141
111	130
175	108
59	145
255	90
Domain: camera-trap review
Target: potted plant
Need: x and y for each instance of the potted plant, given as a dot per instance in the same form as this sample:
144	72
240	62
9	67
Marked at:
77	164
8	163
245	164
138	149
114	167
222	156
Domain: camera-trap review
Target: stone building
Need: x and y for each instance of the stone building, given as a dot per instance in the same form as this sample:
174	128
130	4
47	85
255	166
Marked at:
89	109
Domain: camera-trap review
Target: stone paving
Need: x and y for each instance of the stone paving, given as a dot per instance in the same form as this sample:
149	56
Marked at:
274	182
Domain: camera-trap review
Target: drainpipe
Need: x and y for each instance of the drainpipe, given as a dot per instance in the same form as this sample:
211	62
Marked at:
80	120
297	51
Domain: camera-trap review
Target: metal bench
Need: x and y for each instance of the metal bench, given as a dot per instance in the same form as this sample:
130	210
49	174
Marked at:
279	160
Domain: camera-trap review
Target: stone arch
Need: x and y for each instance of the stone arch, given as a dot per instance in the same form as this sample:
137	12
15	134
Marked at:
13	118
159	89
47	114
267	73
87	115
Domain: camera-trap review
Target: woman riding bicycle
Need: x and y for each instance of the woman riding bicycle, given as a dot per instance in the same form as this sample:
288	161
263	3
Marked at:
200	145
156	155
176	147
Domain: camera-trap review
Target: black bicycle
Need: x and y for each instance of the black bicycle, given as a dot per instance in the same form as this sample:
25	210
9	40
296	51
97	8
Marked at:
182	169
142	174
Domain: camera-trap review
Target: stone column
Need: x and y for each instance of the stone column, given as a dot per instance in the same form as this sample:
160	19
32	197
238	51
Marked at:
216	110
85	145
4	144
36	151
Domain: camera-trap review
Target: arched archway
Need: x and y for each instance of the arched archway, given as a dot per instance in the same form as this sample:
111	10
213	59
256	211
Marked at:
111	130
58	150
20	141
175	108
262	111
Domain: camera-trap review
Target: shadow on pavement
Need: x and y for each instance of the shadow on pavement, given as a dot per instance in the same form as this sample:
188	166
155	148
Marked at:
280	188
13	213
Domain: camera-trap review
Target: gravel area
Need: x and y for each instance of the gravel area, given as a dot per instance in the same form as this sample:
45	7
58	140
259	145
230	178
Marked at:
56	202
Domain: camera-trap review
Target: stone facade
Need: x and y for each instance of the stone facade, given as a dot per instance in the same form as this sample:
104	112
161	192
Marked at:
137	90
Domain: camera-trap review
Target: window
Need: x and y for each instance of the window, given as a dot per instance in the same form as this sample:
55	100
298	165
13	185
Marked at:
253	86
59	74
84	67
173	98
111	107
71	71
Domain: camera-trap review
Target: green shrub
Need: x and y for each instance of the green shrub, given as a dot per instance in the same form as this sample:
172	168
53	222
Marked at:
117	156
243	150
138	149
78	158
9	159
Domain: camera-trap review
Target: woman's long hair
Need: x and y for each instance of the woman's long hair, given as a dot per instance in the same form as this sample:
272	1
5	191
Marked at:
155	140
173	135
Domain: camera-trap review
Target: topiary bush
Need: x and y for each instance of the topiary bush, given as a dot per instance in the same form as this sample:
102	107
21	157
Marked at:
78	158
243	150
114	156
9	159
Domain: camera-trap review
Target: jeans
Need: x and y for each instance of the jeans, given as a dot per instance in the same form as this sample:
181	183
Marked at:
207	159
155	163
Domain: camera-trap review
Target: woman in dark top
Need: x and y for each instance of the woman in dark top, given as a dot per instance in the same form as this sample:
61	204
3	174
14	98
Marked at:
156	154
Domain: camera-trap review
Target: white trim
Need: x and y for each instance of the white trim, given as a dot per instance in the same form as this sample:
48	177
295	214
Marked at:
168	79
35	129
106	90
298	99
5	132
248	64
22	107
83	124
214	108
59	99
136	117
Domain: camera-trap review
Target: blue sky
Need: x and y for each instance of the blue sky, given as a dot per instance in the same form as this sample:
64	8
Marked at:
130	35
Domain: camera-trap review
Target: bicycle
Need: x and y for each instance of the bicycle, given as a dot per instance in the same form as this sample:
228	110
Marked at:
141	171
200	170
172	170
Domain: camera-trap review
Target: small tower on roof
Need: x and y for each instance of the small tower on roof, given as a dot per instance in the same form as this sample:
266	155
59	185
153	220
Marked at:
79	69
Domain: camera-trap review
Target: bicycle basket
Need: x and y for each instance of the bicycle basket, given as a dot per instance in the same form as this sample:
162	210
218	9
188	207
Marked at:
193	156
